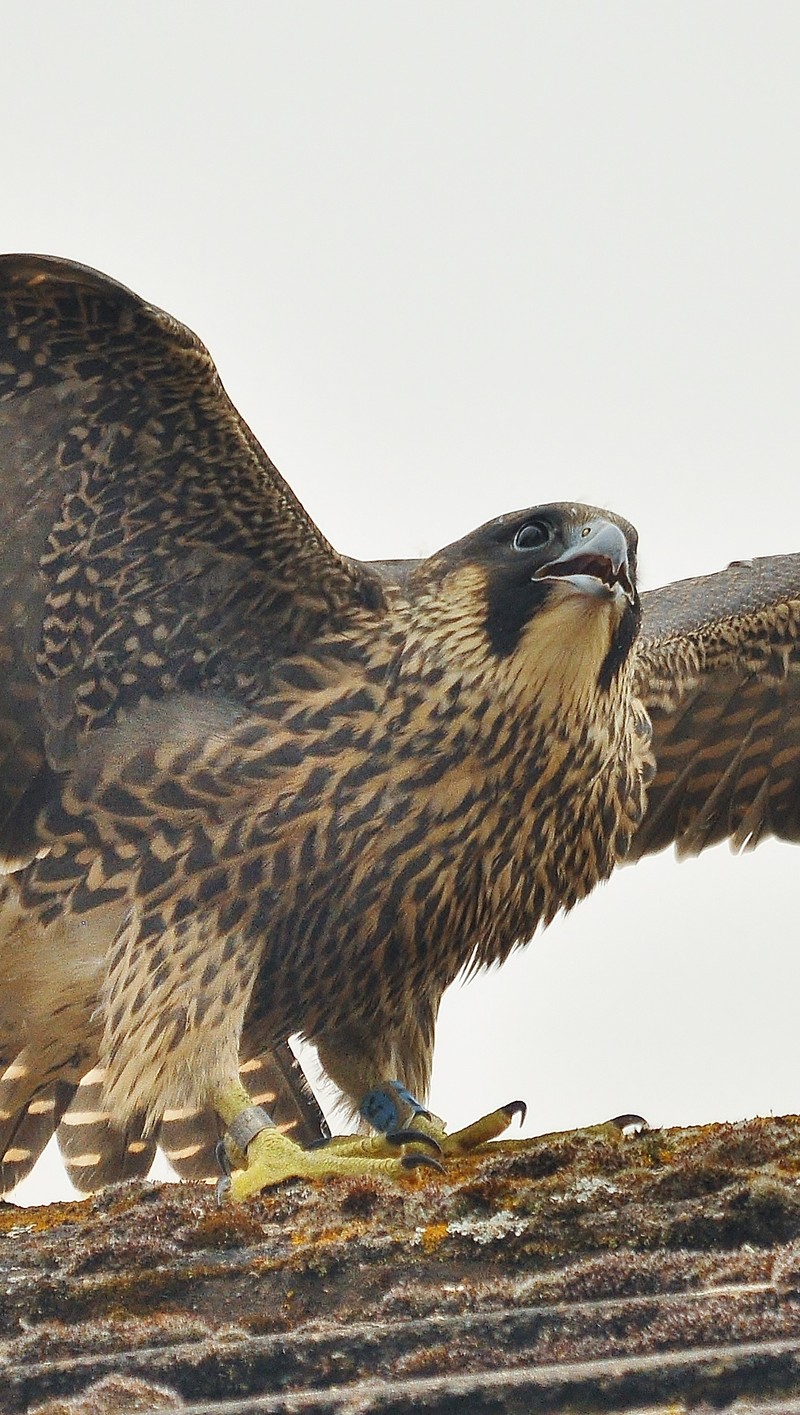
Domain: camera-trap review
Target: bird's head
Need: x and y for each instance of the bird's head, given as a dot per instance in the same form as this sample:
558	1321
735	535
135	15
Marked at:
545	597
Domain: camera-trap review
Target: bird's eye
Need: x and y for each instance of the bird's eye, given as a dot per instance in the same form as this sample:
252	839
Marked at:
532	536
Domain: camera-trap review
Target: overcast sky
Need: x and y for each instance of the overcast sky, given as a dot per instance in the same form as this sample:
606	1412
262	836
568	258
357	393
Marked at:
454	259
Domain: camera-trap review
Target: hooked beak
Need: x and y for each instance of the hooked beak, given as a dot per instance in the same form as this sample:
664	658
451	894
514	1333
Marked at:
597	564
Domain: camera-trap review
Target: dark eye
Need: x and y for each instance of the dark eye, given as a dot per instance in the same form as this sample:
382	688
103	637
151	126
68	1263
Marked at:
532	536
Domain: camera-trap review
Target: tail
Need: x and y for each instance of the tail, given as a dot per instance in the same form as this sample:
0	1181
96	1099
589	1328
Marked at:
32	1104
94	1151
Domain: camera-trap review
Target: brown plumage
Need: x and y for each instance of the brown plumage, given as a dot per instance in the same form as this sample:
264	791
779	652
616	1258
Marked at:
250	787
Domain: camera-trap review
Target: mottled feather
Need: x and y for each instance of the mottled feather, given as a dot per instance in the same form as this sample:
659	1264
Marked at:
718	669
175	556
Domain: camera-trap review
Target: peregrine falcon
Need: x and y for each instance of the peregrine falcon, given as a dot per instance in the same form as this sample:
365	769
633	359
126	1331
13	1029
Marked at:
250	787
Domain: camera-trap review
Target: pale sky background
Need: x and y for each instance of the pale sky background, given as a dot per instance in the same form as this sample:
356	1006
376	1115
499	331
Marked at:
454	259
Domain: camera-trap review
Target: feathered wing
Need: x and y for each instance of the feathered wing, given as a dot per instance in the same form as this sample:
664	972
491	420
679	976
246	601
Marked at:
152	560
718	669
148	545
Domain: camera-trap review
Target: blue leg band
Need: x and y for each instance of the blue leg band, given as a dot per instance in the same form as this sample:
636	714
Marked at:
380	1108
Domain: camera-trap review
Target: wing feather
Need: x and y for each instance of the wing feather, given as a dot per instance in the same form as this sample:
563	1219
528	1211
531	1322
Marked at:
718	669
147	544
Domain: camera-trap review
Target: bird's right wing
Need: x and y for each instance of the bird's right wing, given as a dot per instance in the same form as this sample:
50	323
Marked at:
718	669
148	546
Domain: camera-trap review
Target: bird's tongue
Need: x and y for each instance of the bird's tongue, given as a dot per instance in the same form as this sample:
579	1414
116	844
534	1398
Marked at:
599	566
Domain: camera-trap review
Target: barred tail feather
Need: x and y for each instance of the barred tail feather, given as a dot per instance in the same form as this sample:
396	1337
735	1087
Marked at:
26	1130
276	1080
189	1139
95	1152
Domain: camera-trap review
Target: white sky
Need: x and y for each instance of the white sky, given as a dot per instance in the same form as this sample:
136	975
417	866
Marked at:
452	259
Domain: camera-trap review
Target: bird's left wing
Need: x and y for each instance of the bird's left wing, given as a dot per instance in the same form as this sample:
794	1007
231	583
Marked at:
718	668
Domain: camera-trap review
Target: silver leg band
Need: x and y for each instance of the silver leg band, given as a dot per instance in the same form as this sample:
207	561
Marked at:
249	1123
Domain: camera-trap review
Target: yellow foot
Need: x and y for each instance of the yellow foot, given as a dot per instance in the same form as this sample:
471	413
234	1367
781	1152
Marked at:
461	1142
474	1135
385	1146
619	1125
425	1129
272	1157
269	1157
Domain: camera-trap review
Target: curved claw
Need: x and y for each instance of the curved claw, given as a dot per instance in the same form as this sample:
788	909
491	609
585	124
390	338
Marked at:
223	1159
223	1189
626	1122
415	1161
515	1108
413	1137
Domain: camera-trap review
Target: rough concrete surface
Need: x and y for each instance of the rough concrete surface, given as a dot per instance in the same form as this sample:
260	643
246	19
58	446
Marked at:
587	1271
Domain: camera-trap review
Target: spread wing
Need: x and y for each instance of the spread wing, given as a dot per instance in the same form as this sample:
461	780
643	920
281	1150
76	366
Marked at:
147	543
718	668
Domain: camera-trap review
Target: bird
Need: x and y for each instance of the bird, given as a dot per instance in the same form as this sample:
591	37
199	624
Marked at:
251	787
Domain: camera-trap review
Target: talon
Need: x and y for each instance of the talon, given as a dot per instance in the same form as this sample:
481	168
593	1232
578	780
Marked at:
413	1137
632	1122
223	1189
223	1159
417	1161
516	1108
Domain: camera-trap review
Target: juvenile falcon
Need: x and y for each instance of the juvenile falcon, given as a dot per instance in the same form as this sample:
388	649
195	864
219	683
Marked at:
250	787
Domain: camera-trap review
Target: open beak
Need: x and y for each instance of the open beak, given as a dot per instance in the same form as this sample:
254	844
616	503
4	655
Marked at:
597	563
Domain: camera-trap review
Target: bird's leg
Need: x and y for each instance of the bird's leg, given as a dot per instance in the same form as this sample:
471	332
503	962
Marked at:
392	1109
389	1106
272	1157
401	1120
